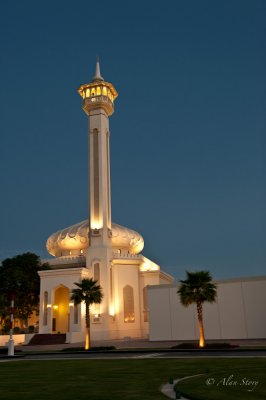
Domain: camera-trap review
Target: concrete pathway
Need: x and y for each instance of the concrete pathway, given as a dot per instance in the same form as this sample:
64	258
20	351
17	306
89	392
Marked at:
168	388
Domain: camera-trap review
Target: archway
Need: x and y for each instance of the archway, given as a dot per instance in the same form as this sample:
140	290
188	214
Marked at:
61	310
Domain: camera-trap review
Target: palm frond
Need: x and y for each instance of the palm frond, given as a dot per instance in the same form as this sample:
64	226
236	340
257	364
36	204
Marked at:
197	288
88	291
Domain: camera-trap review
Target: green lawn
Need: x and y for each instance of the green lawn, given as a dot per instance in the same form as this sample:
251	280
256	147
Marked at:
124	379
243	380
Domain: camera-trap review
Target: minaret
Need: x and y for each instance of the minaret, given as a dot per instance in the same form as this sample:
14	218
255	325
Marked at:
98	103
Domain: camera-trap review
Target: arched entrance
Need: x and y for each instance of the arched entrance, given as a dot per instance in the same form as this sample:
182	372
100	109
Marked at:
61	310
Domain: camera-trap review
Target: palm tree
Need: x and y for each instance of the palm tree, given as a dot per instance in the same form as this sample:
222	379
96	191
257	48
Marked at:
89	292
197	289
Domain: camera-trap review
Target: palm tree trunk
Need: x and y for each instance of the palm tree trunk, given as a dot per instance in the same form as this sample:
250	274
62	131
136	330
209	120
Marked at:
88	336
201	329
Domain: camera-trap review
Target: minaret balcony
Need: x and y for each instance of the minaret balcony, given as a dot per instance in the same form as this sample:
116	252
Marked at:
94	102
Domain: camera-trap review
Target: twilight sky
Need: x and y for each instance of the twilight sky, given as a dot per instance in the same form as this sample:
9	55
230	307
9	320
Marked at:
187	137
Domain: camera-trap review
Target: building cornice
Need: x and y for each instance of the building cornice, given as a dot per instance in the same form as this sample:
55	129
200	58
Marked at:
64	272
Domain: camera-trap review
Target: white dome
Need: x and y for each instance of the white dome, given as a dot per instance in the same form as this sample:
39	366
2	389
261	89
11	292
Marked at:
76	239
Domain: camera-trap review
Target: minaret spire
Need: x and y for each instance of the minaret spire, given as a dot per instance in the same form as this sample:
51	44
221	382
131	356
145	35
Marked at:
97	76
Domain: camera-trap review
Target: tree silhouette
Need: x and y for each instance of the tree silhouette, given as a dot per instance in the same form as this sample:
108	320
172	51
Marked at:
19	280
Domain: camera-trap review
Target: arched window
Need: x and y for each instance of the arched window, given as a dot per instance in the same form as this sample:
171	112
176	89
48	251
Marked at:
104	91
145	304
96	272
128	295
45	310
96	276
98	91
76	314
88	93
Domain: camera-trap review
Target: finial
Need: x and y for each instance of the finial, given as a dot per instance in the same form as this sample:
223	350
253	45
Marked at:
97	76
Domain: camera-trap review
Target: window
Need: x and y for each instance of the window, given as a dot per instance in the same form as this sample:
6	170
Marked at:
76	314
98	91
45	310
145	304
128	295
97	272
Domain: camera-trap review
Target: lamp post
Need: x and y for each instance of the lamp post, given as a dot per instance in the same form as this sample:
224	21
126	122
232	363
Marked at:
11	340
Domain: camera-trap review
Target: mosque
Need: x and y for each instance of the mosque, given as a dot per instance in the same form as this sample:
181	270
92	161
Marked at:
98	248
140	300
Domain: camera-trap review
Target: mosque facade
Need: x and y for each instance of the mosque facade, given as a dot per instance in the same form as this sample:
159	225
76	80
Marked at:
98	248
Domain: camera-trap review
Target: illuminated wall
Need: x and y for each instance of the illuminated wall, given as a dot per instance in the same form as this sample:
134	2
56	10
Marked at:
239	312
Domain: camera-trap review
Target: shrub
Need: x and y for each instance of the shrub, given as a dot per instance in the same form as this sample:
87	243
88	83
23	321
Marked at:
100	348
31	329
195	345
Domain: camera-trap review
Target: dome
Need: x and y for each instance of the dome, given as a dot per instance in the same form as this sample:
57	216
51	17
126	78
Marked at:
75	240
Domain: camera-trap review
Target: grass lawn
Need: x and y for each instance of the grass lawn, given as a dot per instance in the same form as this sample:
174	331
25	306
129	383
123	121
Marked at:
243	380
126	379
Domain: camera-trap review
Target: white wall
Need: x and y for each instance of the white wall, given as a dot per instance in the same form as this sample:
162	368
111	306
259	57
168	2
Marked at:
239	312
22	338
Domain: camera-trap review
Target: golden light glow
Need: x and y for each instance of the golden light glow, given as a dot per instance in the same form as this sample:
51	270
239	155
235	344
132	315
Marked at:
112	310
70	243
87	341
102	88
148	265
49	305
130	318
96	309
201	342
71	304
55	307
96	224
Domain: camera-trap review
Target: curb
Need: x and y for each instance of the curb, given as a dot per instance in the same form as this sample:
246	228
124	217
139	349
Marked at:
169	391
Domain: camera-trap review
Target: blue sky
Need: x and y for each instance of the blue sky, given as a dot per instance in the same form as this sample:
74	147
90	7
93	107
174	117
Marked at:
187	136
